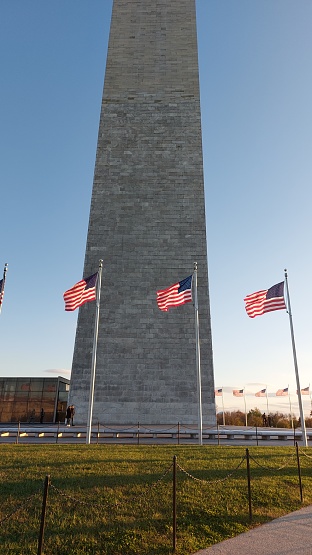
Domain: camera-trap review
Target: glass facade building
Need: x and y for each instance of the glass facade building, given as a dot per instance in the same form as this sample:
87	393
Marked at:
22	399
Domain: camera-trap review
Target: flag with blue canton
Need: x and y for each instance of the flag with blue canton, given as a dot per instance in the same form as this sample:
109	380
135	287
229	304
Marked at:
282	392
304	391
82	292
175	295
218	392
1	290
265	300
261	393
2	284
238	392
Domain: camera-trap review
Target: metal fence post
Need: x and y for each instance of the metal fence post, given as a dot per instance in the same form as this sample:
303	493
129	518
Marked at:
174	504
249	487
299	473
18	431
43	514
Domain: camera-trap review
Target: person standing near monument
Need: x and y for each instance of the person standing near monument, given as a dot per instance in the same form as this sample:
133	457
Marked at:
68	415
72	414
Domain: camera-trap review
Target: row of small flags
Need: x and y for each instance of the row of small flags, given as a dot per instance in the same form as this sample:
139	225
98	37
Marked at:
177	294
262	392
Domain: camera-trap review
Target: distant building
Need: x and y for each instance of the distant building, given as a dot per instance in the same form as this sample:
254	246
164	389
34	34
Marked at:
22	399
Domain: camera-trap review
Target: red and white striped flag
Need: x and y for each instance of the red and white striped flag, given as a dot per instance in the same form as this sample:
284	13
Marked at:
175	295
305	391
282	392
265	300
238	392
81	293
2	284
1	291
261	393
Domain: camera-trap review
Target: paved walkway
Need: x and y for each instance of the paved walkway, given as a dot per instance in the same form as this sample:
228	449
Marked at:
288	535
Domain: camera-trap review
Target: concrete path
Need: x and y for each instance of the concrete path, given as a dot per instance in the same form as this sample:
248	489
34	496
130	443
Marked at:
288	535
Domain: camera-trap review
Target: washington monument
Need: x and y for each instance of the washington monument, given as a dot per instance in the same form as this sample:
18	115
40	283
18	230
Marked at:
147	223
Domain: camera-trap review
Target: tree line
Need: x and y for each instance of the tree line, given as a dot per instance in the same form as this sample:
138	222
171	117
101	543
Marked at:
257	418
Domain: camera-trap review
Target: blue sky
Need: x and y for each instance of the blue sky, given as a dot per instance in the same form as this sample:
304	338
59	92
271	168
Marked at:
256	89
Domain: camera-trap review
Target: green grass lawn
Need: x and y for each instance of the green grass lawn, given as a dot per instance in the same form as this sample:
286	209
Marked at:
117	499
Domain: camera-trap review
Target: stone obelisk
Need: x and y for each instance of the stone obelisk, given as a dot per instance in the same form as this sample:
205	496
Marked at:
147	223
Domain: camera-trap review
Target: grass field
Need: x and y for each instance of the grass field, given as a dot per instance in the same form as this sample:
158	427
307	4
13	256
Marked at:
117	499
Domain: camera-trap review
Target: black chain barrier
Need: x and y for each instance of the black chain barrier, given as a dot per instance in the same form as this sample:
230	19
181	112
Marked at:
272	469
91	504
304	454
148	488
20	506
211	481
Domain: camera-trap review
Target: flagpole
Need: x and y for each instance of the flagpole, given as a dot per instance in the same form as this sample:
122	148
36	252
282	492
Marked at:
223	408
245	408
93	363
266	392
200	414
3	283
303	426
290	408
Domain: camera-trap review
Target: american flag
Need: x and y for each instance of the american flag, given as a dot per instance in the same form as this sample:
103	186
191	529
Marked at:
304	391
2	284
1	291
266	300
82	292
261	393
218	392
238	392
176	295
282	392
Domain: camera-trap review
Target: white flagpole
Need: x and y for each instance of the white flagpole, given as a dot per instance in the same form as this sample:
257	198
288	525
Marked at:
267	400
93	363
200	414
245	408
223	408
290	408
3	283
303	426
